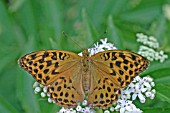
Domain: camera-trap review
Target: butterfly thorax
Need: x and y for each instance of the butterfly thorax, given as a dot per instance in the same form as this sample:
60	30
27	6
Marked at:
85	70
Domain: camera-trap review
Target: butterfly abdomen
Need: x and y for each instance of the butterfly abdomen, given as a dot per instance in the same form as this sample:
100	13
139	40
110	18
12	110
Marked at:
86	73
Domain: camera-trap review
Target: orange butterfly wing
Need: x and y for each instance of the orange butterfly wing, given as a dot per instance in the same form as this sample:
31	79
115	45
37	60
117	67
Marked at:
56	70
111	71
66	74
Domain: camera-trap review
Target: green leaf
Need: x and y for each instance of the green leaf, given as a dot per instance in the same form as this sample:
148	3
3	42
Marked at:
5	107
25	93
113	33
163	92
156	110
91	33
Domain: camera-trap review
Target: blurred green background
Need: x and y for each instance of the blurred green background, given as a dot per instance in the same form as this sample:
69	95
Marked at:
31	25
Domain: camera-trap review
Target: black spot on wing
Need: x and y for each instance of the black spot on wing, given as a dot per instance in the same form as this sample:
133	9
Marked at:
33	56
118	63
54	72
41	67
133	57
113	73
60	56
121	72
125	61
56	65
41	60
107	55
113	56
46	71
122	55
46	54
49	62
111	65
30	62
54	57
125	68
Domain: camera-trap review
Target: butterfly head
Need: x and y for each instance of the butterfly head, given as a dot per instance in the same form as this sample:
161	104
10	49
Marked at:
85	53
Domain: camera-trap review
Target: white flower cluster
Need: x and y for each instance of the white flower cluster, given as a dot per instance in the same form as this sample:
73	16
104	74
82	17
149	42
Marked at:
101	47
64	110
78	109
149	41
138	88
38	88
148	49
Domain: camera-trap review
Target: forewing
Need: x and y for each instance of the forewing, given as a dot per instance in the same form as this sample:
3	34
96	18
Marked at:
122	65
44	66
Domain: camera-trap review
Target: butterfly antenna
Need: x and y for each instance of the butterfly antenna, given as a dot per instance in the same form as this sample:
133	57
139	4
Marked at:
65	34
101	36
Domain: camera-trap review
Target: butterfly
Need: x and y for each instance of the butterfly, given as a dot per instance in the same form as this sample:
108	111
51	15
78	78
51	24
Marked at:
71	78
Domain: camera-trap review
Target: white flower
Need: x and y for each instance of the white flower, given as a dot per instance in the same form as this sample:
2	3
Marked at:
153	91
149	79
126	106
148	94
78	108
43	94
112	109
142	98
137	78
125	94
87	110
66	110
84	103
153	94
83	110
123	105
106	111
49	100
62	110
41	86
37	90
45	89
35	84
